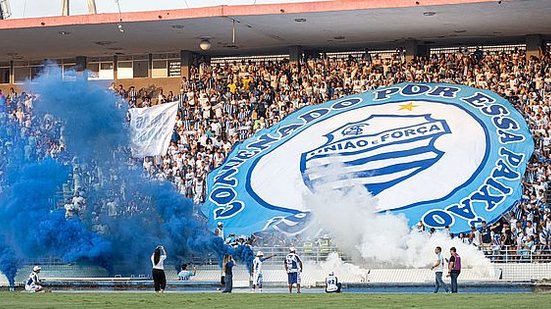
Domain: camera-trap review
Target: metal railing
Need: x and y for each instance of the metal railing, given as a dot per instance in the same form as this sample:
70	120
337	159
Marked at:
511	254
307	253
319	253
239	59
471	49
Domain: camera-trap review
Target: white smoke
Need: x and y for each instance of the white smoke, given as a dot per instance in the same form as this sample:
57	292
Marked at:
372	239
334	263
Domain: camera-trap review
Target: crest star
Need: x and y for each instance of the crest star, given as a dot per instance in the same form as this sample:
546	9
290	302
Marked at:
410	106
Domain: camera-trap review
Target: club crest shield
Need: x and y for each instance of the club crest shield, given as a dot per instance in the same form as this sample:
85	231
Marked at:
375	156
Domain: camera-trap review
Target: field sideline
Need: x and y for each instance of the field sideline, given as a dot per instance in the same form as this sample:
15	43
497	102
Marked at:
262	301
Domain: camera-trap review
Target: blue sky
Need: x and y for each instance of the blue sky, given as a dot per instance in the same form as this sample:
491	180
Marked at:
38	8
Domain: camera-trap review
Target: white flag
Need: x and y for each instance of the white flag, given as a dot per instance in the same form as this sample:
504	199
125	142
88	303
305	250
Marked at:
151	129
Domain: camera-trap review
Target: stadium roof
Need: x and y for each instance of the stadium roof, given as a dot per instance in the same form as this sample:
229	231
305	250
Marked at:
330	25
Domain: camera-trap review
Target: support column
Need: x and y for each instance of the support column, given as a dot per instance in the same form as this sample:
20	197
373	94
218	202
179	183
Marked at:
12	74
186	60
295	54
534	46
423	50
411	49
80	65
92	7
115	68
65	11
414	49
207	59
150	66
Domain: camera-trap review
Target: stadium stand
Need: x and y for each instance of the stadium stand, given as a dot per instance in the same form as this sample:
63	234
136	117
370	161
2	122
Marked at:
225	102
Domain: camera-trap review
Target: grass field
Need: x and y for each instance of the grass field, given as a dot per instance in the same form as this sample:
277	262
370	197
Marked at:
262	301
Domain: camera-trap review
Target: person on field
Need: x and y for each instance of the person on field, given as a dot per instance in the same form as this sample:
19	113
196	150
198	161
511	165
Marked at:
219	232
34	284
228	271
159	278
438	268
257	270
293	267
332	284
454	268
186	274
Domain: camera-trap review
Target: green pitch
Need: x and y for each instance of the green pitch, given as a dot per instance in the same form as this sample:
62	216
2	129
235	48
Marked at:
263	301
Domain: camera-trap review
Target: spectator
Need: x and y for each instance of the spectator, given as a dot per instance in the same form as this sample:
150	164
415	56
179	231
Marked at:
220	230
186	274
485	236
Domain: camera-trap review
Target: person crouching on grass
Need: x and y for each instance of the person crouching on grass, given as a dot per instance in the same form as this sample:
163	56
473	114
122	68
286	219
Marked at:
34	284
159	278
332	284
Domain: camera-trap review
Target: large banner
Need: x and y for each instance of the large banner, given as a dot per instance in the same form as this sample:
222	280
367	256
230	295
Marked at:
447	155
151	129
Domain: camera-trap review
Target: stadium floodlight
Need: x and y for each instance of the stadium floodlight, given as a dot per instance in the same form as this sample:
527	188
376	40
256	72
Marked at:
205	44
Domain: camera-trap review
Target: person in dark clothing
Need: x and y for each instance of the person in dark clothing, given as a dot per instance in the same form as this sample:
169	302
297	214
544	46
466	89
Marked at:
229	263
159	278
454	268
486	236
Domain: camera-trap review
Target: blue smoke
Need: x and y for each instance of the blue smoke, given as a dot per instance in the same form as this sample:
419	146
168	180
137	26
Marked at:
247	256
35	227
91	123
32	227
8	262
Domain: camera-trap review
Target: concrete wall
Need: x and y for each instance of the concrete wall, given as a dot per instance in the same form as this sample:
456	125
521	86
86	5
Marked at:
168	84
511	272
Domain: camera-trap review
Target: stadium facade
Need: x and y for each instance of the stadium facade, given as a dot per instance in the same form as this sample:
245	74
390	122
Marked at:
159	47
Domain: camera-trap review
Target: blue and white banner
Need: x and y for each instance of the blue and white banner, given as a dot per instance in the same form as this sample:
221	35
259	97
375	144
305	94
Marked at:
445	154
151	129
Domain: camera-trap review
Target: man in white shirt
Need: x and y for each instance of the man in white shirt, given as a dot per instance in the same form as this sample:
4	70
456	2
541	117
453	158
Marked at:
293	267
530	230
257	270
220	231
79	202
186	274
69	209
438	268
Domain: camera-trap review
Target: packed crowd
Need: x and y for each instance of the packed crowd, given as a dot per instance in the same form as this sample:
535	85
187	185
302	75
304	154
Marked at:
222	104
226	103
